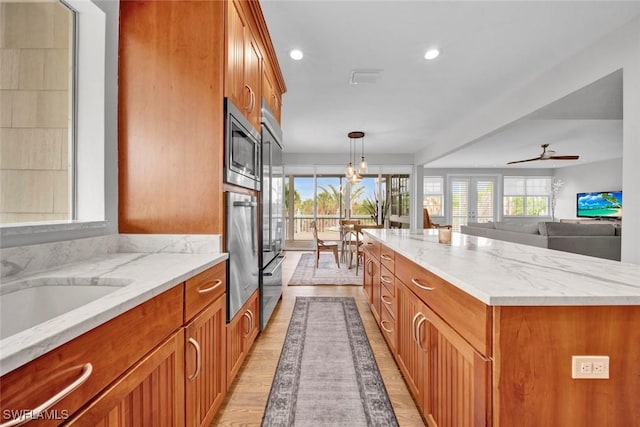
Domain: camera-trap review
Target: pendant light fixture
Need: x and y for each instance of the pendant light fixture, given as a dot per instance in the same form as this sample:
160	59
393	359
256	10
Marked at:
351	172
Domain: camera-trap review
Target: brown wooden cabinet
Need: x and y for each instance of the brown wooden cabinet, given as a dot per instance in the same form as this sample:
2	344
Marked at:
270	92
410	356
242	331
244	62
205	349
151	393
449	378
170	117
145	366
110	349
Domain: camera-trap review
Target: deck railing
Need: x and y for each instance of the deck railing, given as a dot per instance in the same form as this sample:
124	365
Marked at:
328	226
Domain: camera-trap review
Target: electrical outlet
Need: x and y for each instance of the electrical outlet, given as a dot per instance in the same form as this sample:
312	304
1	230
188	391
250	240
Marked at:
594	367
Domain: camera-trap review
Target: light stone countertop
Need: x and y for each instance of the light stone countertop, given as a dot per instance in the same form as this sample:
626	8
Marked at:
150	264
504	273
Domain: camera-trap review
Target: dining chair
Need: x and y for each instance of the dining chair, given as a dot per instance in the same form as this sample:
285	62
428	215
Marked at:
347	237
358	249
427	223
322	246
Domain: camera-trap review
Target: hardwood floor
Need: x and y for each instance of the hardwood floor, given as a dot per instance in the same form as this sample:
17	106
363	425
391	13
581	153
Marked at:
247	396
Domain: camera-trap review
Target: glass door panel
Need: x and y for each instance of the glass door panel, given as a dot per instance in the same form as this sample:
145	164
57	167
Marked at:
329	206
473	199
299	205
364	200
459	202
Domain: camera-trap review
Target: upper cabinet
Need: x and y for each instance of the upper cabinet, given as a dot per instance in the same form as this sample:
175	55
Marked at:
244	63
252	70
271	92
177	62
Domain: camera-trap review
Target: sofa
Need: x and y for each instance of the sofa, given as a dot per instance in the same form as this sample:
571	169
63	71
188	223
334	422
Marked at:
598	240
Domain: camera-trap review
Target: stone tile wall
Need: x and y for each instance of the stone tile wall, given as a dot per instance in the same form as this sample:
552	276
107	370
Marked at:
35	117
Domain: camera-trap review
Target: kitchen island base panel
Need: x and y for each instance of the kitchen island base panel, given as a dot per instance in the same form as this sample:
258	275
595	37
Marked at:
532	375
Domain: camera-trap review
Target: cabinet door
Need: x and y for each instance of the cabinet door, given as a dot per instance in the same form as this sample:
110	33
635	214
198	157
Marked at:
241	333
410	355
150	394
205	352
367	280
375	289
270	91
234	78
253	78
458	377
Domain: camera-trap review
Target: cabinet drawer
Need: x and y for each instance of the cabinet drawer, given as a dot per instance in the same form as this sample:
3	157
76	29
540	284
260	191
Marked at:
387	279
388	328
387	258
101	355
388	300
470	317
372	246
203	289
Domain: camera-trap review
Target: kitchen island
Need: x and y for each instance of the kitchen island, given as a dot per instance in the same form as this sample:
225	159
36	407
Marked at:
485	331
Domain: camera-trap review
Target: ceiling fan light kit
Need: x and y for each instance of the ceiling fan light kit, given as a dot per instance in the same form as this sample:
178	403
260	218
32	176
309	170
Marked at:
546	155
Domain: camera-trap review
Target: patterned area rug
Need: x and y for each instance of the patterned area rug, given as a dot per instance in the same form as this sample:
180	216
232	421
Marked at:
327	375
327	272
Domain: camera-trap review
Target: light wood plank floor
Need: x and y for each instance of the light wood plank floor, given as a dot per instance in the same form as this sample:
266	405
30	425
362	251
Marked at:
247	396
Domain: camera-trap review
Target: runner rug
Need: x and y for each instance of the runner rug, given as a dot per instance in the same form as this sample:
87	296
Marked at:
327	375
327	273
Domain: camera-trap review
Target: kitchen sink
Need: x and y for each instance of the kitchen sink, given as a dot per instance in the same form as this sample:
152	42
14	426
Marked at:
30	302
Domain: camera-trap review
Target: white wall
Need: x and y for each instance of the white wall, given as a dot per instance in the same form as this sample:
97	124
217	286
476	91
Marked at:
618	50
599	176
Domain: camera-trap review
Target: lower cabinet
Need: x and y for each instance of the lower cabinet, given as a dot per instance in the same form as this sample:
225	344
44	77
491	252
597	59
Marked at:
242	331
205	352
149	394
448	378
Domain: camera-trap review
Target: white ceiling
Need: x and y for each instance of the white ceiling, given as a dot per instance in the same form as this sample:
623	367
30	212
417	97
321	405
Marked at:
488	50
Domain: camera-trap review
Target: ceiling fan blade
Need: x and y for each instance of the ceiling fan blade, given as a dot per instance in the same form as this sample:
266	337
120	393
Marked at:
564	157
523	161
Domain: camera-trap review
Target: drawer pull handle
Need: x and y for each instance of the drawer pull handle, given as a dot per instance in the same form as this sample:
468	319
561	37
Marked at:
384	300
34	413
386	257
195	345
418	340
215	286
369	267
421	286
385	279
370	243
385	329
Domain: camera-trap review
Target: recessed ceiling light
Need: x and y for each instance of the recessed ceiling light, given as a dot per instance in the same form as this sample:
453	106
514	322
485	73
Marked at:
432	54
296	54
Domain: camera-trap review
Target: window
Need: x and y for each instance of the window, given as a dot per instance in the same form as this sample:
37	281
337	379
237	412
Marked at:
526	196
77	196
37	128
433	195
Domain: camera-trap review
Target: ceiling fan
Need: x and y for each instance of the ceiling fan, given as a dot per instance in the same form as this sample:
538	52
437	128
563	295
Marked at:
546	155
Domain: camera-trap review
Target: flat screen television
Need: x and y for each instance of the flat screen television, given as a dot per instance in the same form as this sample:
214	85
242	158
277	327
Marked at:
601	204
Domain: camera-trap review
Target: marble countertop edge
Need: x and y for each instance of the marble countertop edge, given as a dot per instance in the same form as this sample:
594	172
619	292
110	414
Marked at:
509	274
150	274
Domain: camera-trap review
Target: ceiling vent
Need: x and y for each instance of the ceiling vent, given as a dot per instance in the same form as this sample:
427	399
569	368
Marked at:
359	77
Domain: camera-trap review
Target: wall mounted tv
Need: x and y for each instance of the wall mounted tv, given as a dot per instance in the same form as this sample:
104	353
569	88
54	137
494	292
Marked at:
605	204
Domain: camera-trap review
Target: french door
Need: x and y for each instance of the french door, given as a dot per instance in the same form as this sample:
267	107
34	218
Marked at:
473	199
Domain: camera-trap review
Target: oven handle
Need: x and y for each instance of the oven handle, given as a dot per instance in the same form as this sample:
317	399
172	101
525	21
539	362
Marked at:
244	204
276	267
